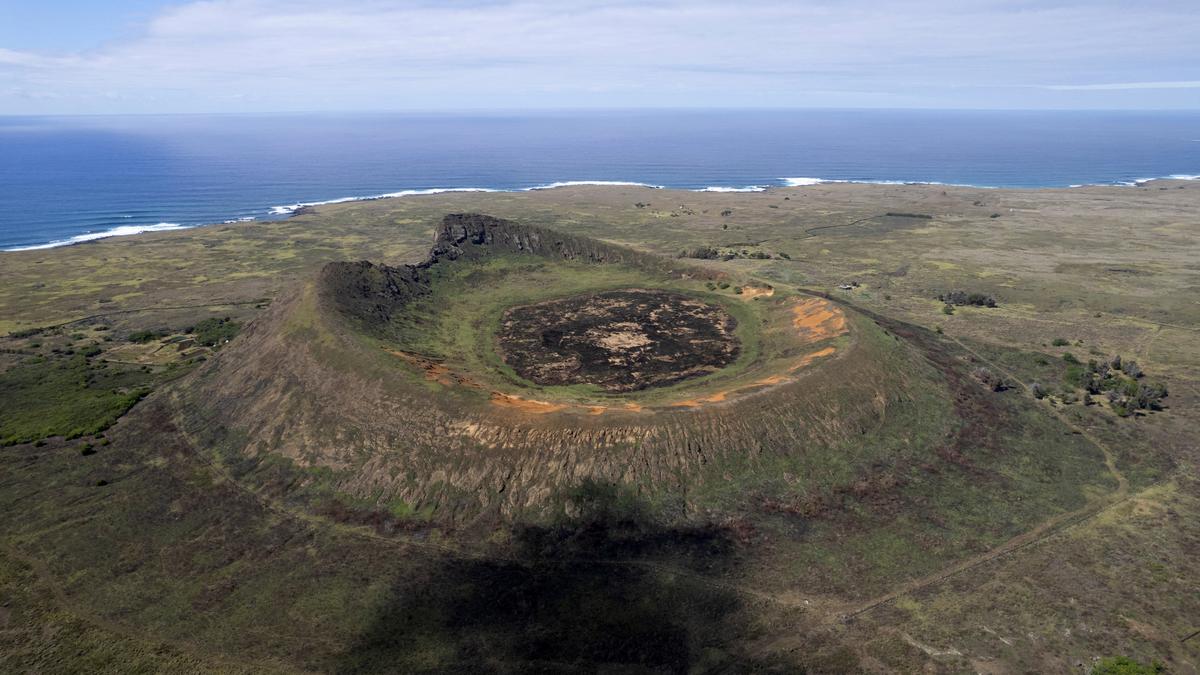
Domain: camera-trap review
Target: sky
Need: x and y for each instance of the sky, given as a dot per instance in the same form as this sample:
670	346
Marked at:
159	56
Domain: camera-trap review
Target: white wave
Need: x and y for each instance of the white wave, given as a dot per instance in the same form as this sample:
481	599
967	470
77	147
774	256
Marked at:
243	219
122	231
292	208
805	182
575	183
748	188
1136	182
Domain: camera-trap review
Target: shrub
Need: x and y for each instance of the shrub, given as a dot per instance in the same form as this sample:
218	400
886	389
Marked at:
144	336
947	309
965	298
1060	342
214	332
989	379
1037	390
1070	358
1121	665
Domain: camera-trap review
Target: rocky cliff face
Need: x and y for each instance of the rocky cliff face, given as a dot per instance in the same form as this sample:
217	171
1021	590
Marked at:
372	294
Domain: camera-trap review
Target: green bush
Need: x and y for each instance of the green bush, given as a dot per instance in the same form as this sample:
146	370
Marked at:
215	332
1121	665
1060	342
144	336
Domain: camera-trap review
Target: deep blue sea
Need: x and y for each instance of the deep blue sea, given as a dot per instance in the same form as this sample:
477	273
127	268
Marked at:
70	179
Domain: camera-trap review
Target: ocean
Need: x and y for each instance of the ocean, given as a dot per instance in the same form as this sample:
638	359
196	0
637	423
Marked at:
65	180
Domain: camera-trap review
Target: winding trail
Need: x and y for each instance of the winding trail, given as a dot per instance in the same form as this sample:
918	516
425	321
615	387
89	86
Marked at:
137	310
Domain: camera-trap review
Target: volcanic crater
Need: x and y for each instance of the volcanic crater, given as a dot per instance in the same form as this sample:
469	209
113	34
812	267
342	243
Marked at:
620	341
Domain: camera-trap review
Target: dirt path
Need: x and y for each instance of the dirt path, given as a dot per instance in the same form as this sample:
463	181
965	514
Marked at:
135	310
1042	532
1110	458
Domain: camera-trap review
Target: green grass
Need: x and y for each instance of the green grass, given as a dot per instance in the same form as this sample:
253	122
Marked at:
458	322
67	396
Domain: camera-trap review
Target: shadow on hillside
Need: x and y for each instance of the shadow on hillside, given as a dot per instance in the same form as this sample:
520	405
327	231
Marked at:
604	591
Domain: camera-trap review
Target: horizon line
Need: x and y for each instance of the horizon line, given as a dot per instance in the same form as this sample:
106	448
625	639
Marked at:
594	109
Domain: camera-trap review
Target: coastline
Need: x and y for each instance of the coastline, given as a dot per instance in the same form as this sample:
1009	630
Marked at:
280	212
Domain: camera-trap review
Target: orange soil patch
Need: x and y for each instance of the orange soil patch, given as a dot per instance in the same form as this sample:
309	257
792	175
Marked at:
770	381
525	404
750	292
434	371
809	358
816	319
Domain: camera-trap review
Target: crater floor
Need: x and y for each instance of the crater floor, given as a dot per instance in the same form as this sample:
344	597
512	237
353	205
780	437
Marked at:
620	341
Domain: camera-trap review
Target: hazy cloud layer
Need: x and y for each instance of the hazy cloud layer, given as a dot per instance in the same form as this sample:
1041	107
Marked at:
231	55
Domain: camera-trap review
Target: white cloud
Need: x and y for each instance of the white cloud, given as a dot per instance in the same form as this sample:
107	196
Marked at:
303	54
1123	86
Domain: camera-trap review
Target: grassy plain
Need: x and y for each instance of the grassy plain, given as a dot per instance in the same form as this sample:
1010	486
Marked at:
1048	536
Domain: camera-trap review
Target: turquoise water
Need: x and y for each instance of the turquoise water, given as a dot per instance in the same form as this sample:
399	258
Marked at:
70	179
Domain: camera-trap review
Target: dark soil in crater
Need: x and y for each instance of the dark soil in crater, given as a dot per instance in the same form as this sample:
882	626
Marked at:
620	341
